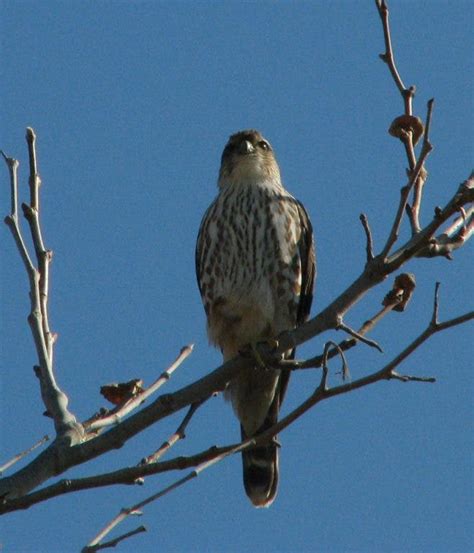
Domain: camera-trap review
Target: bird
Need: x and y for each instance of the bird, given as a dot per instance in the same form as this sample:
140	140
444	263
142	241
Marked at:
255	267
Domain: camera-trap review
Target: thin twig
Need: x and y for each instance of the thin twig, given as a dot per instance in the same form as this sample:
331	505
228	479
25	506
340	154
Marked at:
345	367
418	172
408	378
44	256
179	434
35	180
124	513
117	415
424	244
23	454
12	220
414	209
115	541
370	245
317	361
406	136
389	58
462	222
434	318
54	399
360	337
455	235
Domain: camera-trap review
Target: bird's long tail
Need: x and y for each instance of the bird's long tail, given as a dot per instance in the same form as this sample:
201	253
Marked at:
260	464
261	470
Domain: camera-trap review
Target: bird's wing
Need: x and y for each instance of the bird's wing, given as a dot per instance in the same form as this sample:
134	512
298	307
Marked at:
308	275
200	245
308	265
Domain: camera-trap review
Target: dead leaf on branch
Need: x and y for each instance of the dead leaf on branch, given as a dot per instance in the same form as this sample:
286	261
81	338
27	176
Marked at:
123	391
401	292
404	124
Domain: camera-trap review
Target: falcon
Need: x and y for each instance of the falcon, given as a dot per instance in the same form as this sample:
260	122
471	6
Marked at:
255	268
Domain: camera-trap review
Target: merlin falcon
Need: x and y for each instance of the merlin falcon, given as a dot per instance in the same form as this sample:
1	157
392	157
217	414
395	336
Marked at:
255	268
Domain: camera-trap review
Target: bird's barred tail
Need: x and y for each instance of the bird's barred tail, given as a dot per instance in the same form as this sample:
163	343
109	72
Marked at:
260	472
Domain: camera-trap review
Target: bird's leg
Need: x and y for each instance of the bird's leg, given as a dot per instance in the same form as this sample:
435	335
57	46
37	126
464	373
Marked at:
252	350
256	355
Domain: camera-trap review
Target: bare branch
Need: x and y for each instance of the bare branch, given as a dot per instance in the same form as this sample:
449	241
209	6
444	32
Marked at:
406	127
460	230
12	220
424	244
23	454
414	210
368	234
434	318
118	414
68	451
417	174
47	464
175	437
345	367
212	455
360	337
406	378
396	299
389	59
115	541
54	399
124	513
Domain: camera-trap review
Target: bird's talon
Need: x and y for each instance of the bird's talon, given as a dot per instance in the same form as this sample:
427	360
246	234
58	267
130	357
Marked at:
257	357
273	344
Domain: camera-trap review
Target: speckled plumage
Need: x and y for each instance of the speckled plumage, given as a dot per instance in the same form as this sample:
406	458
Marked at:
255	268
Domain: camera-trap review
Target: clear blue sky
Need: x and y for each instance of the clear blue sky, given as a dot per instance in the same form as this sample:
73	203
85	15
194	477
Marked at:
132	103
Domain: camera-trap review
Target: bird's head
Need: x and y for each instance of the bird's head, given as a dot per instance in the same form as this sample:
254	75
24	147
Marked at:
248	157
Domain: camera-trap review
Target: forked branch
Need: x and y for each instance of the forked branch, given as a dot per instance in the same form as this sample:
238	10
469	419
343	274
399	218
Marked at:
55	400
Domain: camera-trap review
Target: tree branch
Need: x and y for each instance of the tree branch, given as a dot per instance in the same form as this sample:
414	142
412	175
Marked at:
135	509
23	454
417	175
69	449
54	399
115	541
175	437
368	234
96	424
131	475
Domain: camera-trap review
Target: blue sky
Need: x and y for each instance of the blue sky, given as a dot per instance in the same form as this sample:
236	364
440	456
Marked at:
132	103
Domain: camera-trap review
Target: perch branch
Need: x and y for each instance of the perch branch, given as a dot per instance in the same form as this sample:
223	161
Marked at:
55	460
132	474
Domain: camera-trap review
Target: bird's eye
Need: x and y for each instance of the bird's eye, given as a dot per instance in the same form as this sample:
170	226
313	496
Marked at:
264	145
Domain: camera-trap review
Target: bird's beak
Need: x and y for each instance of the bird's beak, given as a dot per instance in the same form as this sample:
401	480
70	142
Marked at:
246	147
